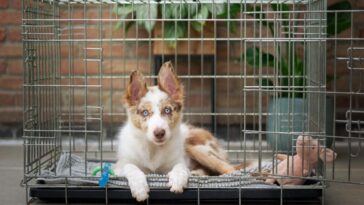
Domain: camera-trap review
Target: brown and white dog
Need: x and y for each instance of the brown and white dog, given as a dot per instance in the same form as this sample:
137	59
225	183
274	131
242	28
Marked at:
155	140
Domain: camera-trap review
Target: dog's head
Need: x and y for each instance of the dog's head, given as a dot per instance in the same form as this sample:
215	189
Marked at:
155	110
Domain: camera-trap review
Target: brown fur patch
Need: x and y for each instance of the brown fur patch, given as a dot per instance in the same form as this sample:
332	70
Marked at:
211	158
198	170
208	160
169	82
136	115
174	117
213	144
198	136
137	88
242	165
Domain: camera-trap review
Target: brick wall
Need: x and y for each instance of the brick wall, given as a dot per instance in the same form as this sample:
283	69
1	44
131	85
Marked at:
10	68
122	61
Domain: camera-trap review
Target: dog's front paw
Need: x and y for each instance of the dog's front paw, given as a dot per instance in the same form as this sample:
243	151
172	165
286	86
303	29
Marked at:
139	188
176	185
177	181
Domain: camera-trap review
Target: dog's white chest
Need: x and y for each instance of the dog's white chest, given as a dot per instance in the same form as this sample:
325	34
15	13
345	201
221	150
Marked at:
148	157
157	160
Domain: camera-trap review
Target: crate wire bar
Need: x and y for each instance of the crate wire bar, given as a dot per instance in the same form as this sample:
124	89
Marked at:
78	55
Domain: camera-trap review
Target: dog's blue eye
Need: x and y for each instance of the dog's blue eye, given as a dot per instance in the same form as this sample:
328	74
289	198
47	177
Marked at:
145	113
167	110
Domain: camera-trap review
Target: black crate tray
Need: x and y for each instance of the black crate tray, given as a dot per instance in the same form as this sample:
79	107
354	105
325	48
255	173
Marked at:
254	195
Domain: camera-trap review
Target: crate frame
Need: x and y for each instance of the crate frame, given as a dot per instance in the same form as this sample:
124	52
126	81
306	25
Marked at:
45	127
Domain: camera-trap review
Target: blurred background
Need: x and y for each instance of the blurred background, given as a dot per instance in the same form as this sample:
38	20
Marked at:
11	78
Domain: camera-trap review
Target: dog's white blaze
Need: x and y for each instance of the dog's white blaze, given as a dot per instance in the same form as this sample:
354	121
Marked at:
155	96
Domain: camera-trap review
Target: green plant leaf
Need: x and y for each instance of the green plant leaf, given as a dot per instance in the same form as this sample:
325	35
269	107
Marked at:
338	21
299	72
197	26
283	66
122	11
253	58
177	11
216	8
182	11
193	9
128	25
118	24
174	31
202	14
282	7
146	11
167	11
233	11
299	67
265	82
292	76
233	26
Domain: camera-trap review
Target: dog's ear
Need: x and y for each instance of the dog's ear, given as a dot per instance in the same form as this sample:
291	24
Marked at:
169	83
137	88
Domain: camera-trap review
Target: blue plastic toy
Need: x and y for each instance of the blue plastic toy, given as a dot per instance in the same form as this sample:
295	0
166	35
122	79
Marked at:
106	171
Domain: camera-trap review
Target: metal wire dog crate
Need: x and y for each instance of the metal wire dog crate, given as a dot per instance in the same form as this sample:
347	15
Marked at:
257	73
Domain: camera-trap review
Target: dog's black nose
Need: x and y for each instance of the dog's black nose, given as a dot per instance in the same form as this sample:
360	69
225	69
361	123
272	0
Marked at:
159	133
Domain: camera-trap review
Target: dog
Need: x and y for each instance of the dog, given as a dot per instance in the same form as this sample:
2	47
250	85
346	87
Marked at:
155	140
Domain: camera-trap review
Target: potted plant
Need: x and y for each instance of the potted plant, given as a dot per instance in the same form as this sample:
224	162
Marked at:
287	108
167	23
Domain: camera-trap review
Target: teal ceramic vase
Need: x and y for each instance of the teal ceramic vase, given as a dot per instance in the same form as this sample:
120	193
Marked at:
285	115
